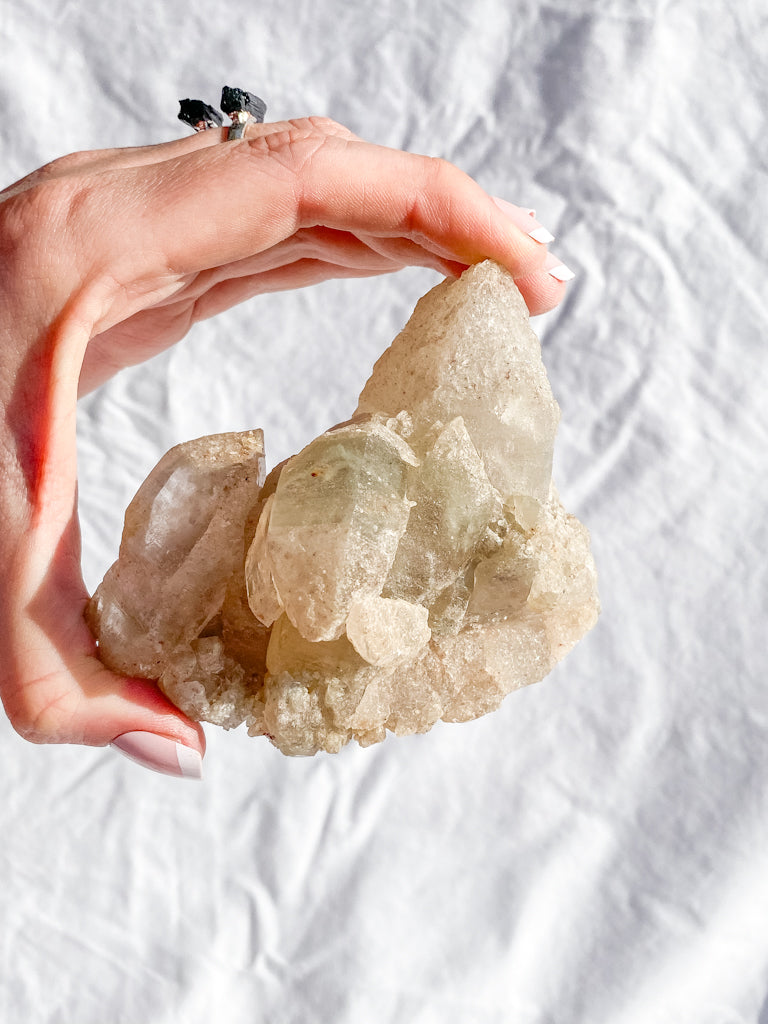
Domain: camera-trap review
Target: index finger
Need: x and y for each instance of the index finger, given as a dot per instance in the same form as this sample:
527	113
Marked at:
228	201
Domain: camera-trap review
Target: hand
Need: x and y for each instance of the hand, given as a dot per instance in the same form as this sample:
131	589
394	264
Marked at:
108	258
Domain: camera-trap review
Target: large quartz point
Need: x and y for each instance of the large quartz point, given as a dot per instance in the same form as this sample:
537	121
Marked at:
412	564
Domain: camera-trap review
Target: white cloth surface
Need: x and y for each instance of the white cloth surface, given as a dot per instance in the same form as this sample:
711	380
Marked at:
595	852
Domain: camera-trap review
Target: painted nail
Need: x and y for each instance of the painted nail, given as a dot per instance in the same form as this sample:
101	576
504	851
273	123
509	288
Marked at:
526	220
160	754
555	267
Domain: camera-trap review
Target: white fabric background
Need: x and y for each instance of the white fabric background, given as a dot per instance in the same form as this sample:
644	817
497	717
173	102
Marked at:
596	852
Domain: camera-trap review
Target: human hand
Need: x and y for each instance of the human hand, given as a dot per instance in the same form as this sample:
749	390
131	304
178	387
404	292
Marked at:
108	258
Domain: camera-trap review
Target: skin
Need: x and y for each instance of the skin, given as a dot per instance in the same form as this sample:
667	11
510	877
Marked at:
106	259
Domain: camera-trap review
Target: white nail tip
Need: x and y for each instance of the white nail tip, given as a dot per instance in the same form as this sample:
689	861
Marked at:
542	235
160	754
561	272
190	762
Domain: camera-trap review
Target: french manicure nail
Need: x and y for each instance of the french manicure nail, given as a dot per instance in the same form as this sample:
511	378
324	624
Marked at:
526	220
555	267
160	754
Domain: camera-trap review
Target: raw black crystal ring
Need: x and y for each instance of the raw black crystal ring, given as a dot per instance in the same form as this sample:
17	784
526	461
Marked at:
243	108
199	115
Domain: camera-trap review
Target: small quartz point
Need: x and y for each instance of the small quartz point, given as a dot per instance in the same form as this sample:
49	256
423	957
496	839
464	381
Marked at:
157	612
339	511
410	565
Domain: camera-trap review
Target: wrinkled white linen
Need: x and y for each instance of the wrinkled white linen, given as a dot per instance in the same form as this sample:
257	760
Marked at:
594	852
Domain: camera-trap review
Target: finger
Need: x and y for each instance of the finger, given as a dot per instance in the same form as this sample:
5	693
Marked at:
103	708
96	160
299	274
259	191
300	261
85	703
335	251
391	194
335	248
526	220
542	291
53	687
99	160
51	682
285	266
310	256
150	331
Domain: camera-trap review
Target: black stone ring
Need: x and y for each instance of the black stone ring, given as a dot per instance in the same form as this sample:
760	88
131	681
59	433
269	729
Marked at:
243	108
199	115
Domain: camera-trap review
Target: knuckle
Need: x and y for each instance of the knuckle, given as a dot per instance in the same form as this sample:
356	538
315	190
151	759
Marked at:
63	165
41	222
433	184
277	139
440	173
288	151
40	711
439	180
281	134
58	168
328	126
36	210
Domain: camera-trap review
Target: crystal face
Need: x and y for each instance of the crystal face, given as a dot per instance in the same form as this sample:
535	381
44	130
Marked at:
410	565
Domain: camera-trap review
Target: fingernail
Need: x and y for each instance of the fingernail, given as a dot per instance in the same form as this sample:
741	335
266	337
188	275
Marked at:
160	754
526	220
555	267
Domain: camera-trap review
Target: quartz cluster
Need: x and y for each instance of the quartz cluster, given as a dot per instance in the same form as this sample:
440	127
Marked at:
409	565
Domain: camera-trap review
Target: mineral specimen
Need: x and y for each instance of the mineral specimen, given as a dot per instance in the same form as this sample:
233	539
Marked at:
412	564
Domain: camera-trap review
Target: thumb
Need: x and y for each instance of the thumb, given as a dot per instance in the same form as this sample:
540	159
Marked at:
55	689
52	684
63	694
